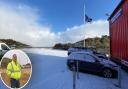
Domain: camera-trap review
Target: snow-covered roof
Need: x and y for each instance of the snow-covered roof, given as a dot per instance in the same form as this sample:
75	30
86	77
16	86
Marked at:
78	55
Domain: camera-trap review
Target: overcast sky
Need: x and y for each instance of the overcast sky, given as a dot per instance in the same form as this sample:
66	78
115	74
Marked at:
47	22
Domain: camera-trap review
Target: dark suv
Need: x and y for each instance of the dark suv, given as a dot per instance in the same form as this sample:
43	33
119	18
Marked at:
88	62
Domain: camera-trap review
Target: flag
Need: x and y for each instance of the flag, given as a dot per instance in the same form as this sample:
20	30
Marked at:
88	19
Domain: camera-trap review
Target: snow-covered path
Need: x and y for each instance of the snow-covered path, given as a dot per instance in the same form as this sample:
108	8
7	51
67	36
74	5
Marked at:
50	72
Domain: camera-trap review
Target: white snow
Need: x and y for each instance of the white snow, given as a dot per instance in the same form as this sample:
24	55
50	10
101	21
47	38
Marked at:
44	51
50	72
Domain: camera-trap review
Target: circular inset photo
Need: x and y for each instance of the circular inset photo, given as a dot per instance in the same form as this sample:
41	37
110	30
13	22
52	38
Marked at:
16	69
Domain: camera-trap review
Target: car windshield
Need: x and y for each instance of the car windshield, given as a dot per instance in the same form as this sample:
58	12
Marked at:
97	58
90	58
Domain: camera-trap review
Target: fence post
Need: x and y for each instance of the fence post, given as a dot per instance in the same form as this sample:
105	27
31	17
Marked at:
74	77
119	76
77	69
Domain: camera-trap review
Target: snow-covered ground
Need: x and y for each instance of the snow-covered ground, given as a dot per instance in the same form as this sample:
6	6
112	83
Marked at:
50	72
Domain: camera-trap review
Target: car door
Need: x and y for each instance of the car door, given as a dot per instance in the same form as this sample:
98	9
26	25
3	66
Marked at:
86	63
80	61
90	64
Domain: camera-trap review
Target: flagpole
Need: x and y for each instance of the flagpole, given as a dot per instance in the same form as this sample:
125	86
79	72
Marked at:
84	14
84	24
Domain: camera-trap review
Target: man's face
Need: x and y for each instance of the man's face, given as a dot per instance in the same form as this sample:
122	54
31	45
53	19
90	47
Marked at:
14	58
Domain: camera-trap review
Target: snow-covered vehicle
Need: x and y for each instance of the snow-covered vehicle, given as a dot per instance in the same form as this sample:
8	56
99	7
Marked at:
88	62
3	49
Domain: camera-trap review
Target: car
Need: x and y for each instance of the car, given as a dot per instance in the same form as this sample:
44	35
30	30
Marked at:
3	49
88	62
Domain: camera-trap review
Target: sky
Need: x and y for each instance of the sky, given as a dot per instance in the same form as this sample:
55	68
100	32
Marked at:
47	22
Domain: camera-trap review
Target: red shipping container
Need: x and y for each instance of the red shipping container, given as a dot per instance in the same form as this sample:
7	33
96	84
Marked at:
118	26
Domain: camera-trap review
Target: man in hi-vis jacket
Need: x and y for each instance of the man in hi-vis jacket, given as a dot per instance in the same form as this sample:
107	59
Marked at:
14	72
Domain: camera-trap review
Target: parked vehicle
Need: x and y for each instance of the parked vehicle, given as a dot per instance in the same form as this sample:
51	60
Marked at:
3	49
88	62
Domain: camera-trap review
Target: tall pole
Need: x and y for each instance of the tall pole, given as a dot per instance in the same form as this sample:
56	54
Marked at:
74	77
119	76
84	13
84	24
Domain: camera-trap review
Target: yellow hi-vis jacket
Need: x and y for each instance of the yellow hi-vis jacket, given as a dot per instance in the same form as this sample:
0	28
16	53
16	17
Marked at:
14	70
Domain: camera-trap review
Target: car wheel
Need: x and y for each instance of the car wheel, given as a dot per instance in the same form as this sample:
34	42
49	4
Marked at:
107	73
